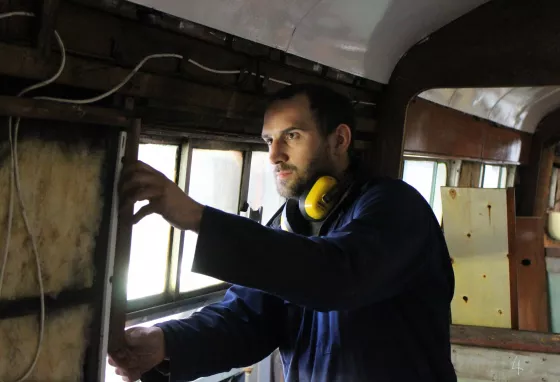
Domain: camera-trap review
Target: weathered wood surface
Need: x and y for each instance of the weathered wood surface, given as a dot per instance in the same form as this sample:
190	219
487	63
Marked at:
478	364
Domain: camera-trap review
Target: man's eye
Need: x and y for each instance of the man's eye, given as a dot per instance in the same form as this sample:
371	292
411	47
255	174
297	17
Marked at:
268	141
291	136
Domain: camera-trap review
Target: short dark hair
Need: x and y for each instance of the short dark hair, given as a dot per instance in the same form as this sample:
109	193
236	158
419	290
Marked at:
329	107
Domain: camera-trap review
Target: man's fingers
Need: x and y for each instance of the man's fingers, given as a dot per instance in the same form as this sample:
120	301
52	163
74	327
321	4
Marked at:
137	180
139	194
142	213
112	362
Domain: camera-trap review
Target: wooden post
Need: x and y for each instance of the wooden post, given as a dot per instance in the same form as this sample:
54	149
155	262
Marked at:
46	27
122	252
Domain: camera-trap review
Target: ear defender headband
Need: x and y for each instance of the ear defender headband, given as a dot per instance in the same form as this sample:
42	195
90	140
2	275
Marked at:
313	206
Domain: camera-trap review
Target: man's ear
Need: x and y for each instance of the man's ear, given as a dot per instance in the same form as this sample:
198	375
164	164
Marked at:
343	136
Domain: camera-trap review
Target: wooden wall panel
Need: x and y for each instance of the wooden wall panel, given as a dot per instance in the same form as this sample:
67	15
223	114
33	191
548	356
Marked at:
531	274
470	174
435	129
501	144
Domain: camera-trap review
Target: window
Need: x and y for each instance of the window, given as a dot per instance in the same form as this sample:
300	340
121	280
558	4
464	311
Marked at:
224	175
494	176
262	187
427	176
215	181
150	237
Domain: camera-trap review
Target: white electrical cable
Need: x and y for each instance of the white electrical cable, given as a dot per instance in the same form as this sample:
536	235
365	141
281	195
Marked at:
14	167
137	68
213	70
117	87
15	182
18	13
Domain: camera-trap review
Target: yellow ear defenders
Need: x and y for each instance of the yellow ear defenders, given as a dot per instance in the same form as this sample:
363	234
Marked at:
312	206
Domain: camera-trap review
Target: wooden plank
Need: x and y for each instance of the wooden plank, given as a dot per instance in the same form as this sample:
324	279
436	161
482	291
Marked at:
98	75
30	305
504	144
49	12
502	338
481	365
512	250
50	110
122	253
544	178
94	355
476	231
435	129
531	275
470	174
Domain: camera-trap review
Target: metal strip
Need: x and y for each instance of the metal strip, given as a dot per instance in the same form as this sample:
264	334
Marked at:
185	178
111	249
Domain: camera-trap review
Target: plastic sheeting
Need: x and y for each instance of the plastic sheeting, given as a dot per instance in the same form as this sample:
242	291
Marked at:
517	108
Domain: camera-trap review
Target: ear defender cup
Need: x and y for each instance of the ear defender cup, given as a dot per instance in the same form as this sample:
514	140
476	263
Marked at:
291	219
319	200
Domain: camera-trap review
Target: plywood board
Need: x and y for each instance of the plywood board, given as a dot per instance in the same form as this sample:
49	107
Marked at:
531	274
482	291
476	231
480	364
475	221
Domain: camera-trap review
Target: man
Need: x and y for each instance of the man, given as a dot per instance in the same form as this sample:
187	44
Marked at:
368	299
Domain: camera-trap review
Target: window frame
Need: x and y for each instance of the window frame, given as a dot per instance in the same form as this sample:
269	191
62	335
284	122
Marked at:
506	169
437	161
171	299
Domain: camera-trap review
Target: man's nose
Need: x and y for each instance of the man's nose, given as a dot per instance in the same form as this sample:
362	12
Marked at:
277	153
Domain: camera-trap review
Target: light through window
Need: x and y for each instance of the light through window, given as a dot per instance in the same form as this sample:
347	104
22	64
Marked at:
215	181
427	177
262	187
494	176
150	237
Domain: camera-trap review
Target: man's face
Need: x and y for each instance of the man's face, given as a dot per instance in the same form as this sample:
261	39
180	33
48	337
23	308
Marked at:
297	149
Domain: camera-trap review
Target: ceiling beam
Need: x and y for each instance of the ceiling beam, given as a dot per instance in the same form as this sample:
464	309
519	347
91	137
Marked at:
49	11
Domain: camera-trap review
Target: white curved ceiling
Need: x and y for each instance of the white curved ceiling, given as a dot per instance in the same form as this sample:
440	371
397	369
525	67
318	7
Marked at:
365	38
517	108
362	37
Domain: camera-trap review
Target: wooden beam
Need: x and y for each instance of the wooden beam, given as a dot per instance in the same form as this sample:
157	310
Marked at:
122	253
505	339
50	110
470	174
439	130
512	258
99	76
31	305
49	12
532	286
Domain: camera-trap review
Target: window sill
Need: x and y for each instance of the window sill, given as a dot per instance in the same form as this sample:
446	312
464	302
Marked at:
506	339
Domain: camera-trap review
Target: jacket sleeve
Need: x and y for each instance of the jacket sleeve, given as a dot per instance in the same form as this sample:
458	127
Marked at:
239	331
373	256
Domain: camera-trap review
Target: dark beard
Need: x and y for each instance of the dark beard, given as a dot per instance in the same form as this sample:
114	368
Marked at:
318	165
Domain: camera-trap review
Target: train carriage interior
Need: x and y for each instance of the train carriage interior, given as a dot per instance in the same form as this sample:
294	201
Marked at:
460	99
